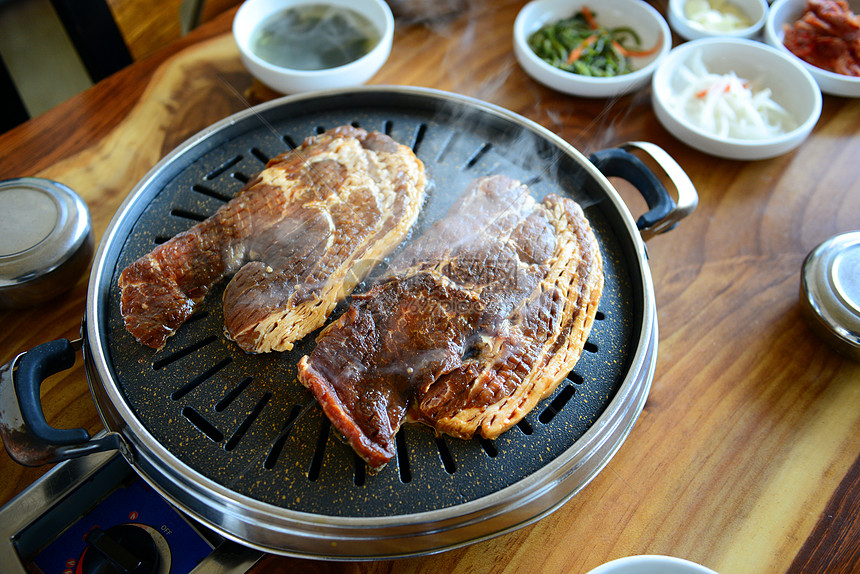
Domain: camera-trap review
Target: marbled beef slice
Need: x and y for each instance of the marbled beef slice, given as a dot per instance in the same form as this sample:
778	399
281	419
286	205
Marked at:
298	238
474	322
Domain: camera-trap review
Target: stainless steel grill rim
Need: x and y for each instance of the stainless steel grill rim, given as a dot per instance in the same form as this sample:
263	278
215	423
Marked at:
280	530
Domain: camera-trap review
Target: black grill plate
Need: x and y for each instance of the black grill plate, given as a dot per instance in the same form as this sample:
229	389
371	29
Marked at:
246	422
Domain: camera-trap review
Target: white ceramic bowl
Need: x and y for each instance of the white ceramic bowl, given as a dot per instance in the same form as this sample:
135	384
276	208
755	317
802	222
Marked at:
289	81
755	10
638	15
786	12
792	87
651	564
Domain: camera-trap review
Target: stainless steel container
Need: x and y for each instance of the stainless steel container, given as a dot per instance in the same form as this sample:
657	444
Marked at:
46	240
830	292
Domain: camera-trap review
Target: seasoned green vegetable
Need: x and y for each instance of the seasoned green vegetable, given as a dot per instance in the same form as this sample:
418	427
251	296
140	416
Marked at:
580	45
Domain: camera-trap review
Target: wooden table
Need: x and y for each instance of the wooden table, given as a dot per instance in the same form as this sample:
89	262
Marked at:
745	458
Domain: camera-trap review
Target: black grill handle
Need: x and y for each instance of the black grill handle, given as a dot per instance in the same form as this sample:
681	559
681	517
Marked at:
664	212
27	436
34	367
621	163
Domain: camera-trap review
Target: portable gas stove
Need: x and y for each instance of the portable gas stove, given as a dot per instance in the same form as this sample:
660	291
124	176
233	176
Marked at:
96	515
226	436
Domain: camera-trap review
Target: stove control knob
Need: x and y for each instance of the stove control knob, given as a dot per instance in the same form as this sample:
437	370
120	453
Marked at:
121	549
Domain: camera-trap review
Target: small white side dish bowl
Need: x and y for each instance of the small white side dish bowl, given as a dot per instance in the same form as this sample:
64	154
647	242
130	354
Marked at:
785	13
792	87
651	564
252	13
638	15
755	10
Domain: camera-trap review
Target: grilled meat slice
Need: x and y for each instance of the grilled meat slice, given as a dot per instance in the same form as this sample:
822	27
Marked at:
474	322
298	237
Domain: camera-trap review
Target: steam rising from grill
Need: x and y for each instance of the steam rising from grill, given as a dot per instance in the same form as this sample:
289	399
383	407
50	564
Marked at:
246	422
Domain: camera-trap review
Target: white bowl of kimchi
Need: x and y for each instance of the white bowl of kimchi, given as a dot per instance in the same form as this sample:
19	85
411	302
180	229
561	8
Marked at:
735	98
840	21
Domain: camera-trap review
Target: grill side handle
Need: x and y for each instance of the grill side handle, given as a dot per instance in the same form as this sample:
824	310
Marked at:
664	211
26	434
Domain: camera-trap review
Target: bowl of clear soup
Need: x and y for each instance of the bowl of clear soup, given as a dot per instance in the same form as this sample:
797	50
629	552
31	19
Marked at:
295	46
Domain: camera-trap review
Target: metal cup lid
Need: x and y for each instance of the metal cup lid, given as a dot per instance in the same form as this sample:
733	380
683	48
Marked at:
830	289
45	240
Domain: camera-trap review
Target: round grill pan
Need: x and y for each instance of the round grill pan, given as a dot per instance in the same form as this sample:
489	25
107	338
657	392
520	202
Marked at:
238	419
235	440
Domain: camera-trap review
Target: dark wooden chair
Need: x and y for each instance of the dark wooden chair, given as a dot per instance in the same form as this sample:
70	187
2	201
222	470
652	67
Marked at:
14	112
108	35
95	35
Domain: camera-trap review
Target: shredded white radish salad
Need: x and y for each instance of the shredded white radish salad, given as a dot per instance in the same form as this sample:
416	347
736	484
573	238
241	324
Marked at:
728	106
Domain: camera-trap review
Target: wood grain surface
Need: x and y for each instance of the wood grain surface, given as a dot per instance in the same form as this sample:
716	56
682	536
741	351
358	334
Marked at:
745	458
148	27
